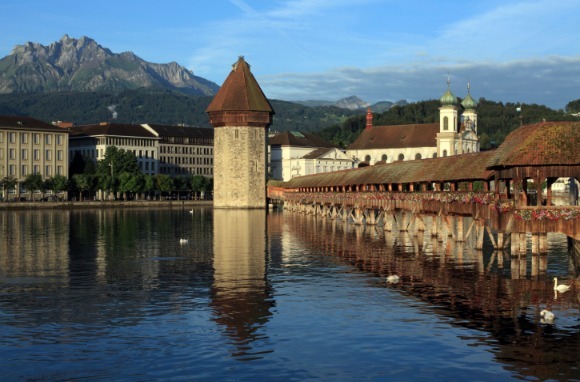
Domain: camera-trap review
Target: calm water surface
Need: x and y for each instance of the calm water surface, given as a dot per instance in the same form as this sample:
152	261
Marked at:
114	295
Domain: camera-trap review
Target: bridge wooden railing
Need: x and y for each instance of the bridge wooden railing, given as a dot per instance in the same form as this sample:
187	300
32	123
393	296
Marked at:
502	214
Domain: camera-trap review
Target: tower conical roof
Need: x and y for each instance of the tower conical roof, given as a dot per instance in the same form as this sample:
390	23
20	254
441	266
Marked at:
240	92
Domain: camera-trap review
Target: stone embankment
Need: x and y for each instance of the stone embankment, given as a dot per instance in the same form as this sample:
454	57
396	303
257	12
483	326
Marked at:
106	204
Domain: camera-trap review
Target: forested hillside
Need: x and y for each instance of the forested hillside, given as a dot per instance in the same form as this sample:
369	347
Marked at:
334	124
495	119
154	106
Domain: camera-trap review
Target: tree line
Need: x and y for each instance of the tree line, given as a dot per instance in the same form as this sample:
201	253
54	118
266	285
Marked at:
119	177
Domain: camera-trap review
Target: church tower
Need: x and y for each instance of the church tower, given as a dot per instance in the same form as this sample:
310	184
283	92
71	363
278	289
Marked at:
240	115
469	114
448	124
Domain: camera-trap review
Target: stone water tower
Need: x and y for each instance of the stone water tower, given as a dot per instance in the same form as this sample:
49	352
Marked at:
240	115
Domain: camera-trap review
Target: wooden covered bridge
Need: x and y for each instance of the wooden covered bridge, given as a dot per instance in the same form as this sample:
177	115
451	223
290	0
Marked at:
507	191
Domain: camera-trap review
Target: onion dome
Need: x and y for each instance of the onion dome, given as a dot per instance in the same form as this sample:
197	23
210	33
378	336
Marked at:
448	99
468	102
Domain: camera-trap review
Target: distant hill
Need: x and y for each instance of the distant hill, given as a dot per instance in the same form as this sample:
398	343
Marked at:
353	103
83	65
149	105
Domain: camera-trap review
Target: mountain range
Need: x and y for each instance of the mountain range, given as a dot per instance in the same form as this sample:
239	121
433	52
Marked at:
83	65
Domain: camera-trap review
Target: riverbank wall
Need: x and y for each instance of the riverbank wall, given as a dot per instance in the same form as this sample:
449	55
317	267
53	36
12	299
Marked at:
105	204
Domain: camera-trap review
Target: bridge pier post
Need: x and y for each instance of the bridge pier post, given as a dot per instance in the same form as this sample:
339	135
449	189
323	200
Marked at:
371	216
459	229
389	219
358	216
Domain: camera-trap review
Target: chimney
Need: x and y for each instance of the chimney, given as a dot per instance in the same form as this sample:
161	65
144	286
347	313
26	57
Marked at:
369	119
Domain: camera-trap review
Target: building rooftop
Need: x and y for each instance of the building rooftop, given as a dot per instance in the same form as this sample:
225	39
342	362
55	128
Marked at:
397	136
18	122
112	129
298	139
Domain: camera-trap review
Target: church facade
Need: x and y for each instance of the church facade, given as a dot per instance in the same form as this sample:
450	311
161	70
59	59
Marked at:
456	133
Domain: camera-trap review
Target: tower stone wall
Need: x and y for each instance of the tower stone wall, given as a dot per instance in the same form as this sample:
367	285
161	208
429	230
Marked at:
240	115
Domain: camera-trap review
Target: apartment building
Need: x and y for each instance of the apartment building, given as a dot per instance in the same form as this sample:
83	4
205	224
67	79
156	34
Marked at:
29	146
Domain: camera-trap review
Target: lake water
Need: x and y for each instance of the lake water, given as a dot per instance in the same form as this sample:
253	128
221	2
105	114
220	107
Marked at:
254	295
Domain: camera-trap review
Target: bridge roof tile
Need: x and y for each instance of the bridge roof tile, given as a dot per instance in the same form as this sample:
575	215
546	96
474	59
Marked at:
541	144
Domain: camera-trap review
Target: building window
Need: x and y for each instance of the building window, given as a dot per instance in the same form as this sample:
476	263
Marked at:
59	139
12	170
1	137
445	123
48	171
48	155
36	138
401	157
417	156
24	154
12	154
24	170
48	139
23	138
36	169
368	158
36	154
59	155
11	137
434	155
384	157
59	170
444	153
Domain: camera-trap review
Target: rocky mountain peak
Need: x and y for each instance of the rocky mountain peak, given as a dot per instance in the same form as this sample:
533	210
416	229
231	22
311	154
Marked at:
83	65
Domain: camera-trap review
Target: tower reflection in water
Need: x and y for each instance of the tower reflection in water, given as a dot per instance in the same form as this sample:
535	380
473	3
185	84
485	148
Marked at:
241	296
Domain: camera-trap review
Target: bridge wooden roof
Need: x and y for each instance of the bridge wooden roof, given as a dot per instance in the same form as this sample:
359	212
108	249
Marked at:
466	167
541	144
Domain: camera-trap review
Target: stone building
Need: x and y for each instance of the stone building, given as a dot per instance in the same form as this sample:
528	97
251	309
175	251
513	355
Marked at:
29	146
295	153
454	134
240	115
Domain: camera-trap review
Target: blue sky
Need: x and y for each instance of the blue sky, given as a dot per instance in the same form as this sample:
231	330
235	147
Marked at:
380	50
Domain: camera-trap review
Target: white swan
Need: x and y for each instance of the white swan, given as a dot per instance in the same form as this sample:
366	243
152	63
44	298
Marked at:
561	287
191	211
183	241
393	279
547	316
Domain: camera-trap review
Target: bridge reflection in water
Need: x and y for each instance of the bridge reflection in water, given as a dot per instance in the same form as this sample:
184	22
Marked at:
486	289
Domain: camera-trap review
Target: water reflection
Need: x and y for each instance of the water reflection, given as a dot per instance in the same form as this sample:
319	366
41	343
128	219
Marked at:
99	294
484	290
241	294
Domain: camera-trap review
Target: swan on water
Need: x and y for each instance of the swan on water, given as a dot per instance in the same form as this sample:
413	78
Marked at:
547	316
183	241
561	287
191	211
393	279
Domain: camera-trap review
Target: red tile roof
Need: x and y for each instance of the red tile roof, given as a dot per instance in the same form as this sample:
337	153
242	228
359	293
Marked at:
397	136
240	92
541	144
465	167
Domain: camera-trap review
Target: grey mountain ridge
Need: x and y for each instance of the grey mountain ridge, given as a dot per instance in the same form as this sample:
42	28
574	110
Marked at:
83	65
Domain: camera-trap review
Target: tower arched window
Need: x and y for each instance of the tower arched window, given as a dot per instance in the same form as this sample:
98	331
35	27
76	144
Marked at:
368	158
444	153
417	156
401	157
445	123
384	157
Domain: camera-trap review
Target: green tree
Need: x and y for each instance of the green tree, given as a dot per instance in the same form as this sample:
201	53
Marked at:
150	185
8	183
197	184
33	182
58	184
164	183
115	162
84	183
